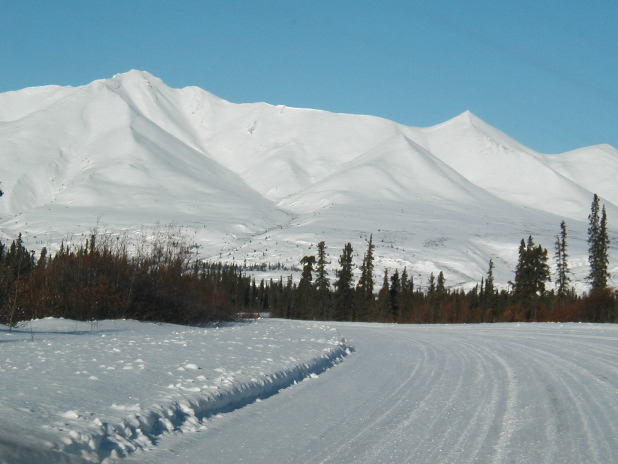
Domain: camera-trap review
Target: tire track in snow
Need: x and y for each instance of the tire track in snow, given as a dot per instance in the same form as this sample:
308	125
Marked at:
385	405
472	401
572	407
442	379
475	395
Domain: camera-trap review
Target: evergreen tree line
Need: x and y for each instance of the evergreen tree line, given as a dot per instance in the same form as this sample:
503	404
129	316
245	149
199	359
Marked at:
399	300
163	280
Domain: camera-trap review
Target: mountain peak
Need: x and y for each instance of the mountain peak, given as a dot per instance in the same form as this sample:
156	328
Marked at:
134	74
467	118
469	126
132	79
262	182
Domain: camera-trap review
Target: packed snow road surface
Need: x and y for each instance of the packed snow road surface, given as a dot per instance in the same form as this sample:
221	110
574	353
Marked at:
503	393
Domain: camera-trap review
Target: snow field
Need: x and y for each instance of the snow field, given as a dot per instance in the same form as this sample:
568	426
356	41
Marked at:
262	183
102	390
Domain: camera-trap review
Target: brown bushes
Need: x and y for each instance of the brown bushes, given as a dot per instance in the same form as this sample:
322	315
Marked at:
161	281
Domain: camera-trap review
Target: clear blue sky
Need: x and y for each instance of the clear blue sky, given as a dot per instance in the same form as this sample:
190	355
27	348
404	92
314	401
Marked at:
543	71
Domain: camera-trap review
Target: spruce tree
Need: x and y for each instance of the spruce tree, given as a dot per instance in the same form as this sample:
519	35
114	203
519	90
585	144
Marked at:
487	294
16	263
405	301
489	282
384	304
603	249
531	274
563	278
305	300
365	283
344	294
395	296
431	287
441	285
541	272
322	283
598	245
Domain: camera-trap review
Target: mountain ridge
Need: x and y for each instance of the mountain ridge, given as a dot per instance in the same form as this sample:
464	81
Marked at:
261	182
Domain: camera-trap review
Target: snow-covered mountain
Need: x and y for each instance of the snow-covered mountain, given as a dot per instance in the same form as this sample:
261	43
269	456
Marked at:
266	183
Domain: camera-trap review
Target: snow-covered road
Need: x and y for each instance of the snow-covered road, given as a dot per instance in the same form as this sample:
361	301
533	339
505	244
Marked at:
503	393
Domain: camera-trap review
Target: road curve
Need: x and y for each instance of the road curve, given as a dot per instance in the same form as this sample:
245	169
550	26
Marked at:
491	393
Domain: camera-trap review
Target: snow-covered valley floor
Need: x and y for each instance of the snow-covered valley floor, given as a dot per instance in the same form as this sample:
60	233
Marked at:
126	391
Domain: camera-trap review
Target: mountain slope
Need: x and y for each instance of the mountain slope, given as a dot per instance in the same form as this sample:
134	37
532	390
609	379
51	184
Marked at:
258	182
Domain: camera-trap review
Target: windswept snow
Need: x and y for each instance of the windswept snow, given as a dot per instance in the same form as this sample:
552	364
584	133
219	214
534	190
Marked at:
158	393
266	183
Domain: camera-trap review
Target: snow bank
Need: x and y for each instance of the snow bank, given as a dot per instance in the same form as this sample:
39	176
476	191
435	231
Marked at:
94	392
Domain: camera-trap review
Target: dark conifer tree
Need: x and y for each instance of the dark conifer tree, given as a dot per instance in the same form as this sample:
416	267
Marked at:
405	280
520	283
305	294
431	288
432	309
344	290
383	313
531	275
489	282
365	283
18	258
407	291
441	285
365	286
487	294
563	279
598	244
17	263
395	296
322	284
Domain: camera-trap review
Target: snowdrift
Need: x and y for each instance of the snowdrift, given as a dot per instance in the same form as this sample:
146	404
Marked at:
95	391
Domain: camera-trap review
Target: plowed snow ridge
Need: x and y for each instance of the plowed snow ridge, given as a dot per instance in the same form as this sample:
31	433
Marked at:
101	391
